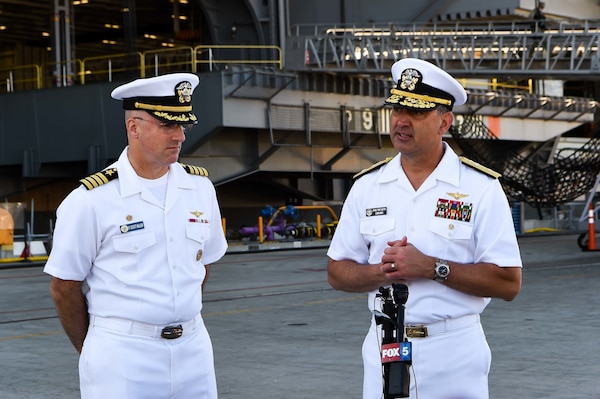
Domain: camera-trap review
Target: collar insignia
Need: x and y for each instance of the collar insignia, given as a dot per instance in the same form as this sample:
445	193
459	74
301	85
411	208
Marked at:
457	195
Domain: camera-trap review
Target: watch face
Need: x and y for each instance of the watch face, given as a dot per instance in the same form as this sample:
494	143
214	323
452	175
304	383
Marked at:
442	270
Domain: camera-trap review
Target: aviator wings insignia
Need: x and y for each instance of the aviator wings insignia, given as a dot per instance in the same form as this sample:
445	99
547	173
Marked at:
457	195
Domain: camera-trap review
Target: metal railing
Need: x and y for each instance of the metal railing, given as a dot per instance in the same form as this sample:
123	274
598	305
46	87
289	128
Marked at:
504	27
465	48
107	68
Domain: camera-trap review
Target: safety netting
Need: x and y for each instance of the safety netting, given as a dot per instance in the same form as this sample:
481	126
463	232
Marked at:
539	174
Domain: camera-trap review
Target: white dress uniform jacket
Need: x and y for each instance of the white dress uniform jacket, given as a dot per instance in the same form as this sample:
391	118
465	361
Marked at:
141	261
459	214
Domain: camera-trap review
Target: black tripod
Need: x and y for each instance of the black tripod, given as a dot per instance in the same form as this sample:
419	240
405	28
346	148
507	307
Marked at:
396	351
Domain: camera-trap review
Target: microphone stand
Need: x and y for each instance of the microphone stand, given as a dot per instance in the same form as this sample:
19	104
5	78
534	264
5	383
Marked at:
396	351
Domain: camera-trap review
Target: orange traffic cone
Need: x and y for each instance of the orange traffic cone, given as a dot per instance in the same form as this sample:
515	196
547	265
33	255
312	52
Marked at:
591	237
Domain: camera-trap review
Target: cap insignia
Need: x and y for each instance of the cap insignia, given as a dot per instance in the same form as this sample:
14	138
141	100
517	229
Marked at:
183	90
409	79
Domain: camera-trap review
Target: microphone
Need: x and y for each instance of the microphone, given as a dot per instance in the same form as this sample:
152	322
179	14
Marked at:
396	351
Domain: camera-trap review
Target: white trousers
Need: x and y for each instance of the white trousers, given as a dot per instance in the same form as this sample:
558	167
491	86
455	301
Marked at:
449	365
117	364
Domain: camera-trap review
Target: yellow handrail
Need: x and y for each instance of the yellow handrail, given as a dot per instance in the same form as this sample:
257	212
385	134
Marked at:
108	61
105	67
173	56
200	49
35	77
494	85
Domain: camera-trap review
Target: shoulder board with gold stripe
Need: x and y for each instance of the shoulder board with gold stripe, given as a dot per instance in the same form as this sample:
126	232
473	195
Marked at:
195	170
99	178
480	167
372	168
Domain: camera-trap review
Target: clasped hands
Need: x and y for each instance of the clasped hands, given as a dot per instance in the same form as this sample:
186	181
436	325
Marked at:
403	261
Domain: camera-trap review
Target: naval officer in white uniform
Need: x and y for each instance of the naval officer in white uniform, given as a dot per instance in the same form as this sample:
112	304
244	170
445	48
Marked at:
132	247
439	224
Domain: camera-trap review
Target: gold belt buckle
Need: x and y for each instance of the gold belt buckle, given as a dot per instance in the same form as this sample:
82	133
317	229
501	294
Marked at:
416	331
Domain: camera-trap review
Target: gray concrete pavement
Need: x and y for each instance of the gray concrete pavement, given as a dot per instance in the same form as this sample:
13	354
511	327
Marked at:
280	331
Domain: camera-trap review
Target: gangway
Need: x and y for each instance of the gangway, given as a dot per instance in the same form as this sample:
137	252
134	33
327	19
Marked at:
515	104
477	49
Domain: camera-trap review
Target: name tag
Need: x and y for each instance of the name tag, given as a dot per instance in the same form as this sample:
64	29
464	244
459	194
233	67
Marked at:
126	228
376	211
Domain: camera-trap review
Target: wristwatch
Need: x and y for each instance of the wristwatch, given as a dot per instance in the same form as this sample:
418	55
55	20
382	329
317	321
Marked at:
442	270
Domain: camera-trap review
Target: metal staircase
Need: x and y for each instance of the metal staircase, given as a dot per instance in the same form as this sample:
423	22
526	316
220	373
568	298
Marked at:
541	174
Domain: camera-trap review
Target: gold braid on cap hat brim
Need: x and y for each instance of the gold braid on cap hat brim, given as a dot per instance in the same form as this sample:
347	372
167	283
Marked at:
422	97
152	107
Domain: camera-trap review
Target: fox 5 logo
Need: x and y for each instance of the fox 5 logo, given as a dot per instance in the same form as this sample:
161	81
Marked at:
396	352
